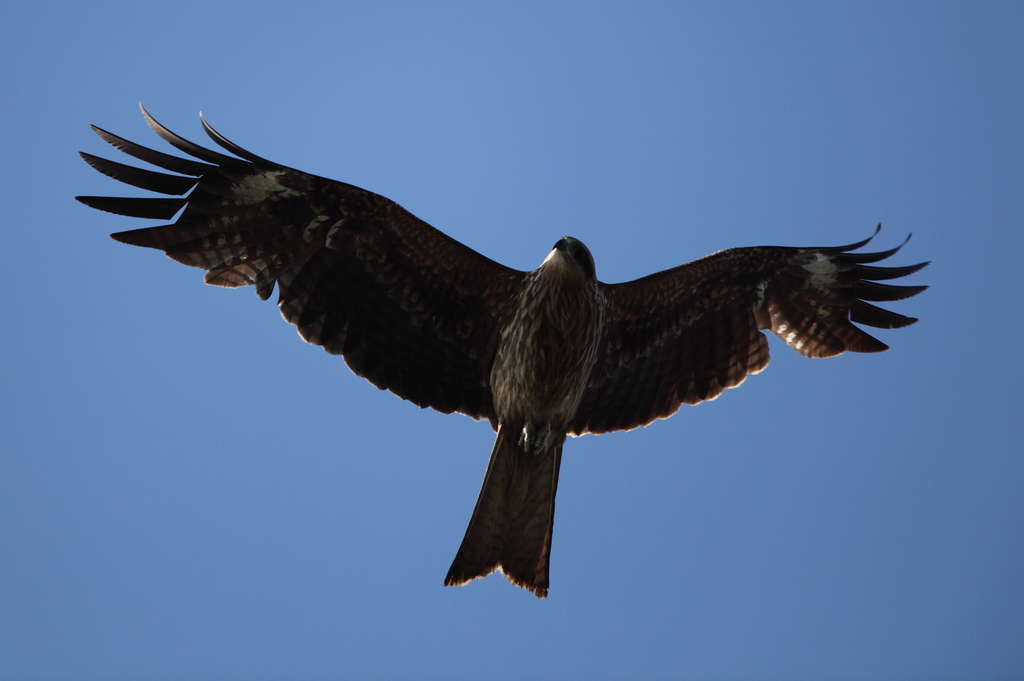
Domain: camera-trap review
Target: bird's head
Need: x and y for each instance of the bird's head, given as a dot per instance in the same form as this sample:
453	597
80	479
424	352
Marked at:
571	256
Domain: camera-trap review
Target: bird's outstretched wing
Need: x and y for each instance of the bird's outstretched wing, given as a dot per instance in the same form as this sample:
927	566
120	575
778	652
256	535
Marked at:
412	310
686	334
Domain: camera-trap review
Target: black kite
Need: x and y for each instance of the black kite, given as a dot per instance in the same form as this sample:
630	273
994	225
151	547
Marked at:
539	354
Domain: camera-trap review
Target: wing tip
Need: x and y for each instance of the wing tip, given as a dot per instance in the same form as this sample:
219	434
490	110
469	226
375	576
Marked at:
130	237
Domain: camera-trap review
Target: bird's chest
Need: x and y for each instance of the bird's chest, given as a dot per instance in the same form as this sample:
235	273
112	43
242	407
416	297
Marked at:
546	354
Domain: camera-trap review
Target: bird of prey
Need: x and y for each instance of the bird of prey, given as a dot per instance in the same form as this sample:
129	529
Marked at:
540	354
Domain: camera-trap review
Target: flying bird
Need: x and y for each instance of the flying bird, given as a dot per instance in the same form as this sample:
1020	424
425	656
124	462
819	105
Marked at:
540	354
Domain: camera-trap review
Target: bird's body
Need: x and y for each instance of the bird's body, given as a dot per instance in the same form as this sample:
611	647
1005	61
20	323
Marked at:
539	354
545	355
548	348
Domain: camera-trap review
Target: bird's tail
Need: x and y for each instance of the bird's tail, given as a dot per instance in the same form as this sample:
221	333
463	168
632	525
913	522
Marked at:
515	512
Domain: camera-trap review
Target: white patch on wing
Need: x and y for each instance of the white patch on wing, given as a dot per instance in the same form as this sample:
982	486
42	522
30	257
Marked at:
313	227
257	188
760	293
823	270
333	232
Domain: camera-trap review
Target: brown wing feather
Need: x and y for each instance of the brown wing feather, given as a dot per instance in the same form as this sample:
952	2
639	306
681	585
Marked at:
412	310
686	334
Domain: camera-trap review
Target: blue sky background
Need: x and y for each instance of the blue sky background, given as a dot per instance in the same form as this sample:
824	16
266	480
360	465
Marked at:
188	491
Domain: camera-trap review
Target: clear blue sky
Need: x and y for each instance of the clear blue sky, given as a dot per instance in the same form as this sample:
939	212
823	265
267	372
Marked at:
188	491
